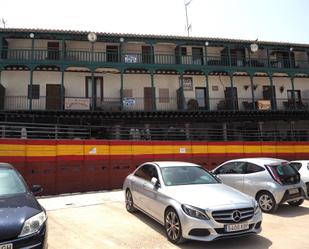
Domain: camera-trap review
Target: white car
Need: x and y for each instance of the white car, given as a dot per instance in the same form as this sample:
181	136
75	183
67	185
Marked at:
303	168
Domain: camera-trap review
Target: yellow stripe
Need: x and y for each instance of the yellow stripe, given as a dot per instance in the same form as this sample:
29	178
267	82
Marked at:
234	148
252	149
70	150
199	149
216	149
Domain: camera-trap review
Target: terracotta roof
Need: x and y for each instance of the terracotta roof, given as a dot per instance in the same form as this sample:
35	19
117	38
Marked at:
149	36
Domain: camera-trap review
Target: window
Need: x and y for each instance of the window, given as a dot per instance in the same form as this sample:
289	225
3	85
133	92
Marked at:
112	53
296	165
164	96
146	172
253	168
35	92
232	168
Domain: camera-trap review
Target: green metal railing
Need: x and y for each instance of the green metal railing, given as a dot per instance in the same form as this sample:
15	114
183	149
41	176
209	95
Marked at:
39	55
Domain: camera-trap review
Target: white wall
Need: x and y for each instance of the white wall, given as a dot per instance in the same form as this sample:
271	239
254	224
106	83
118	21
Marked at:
16	84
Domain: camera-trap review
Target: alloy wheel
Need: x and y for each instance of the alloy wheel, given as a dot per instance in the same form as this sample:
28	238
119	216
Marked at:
129	201
266	203
172	226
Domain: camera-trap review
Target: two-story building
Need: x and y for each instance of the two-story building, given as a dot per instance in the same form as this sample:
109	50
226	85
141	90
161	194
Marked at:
157	82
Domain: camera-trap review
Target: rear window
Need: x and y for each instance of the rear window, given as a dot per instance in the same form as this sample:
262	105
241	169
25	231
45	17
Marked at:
284	169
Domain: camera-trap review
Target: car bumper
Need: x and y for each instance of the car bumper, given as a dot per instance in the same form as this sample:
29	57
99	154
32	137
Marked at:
282	193
34	241
208	230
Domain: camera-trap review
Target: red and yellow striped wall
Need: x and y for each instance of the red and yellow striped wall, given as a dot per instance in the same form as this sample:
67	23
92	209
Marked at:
62	166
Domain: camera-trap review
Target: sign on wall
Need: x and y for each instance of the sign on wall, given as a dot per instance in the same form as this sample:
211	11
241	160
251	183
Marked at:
128	101
77	104
187	83
130	58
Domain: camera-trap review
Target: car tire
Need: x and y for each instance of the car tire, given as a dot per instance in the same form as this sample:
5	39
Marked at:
173	226
129	202
296	203
267	202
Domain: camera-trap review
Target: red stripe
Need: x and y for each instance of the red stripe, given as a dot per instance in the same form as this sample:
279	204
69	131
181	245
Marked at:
41	142
13	141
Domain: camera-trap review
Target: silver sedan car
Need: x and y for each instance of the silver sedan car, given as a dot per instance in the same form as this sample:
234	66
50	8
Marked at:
190	202
270	181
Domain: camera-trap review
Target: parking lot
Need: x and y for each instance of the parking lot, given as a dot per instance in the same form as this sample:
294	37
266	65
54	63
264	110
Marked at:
99	220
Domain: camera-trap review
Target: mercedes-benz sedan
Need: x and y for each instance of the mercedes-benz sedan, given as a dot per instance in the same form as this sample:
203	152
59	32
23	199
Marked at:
190	202
22	219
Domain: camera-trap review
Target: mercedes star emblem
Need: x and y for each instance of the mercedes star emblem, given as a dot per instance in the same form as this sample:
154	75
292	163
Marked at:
236	216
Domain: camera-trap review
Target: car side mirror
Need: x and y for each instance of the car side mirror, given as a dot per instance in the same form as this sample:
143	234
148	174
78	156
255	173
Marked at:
36	189
155	182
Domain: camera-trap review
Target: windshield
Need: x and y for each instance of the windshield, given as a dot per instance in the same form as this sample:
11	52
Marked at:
185	175
10	183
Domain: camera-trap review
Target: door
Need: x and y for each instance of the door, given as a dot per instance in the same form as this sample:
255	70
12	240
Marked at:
98	94
148	99
53	52
53	97
232	174
269	93
146	54
254	179
231	98
197	56
200	95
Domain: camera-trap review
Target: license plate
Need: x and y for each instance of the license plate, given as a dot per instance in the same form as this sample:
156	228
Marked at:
236	227
6	246
293	191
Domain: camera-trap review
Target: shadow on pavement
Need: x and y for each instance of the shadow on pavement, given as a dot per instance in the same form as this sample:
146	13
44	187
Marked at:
286	210
244	242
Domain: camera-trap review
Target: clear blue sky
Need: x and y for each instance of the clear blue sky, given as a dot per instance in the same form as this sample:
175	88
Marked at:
272	20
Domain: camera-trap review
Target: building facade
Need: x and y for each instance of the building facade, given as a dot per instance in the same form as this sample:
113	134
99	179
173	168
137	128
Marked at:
196	82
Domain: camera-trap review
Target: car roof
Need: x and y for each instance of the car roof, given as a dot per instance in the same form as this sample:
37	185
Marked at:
300	161
260	160
6	166
172	164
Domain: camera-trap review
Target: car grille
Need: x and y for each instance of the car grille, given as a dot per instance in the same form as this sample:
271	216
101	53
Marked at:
307	184
226	216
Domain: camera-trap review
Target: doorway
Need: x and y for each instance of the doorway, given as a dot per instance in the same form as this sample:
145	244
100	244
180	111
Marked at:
98	94
201	97
53	52
53	97
148	98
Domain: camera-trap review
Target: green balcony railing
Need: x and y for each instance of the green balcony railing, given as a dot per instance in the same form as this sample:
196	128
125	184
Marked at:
21	55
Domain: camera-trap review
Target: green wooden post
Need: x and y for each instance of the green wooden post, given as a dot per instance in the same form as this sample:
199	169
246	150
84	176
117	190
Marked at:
32	49
290	59
268	57
62	89
273	104
63	50
121	89
93	87
252	91
153	92
232	92
229	55
249	57
206	54
293	92
182	93
207	91
30	89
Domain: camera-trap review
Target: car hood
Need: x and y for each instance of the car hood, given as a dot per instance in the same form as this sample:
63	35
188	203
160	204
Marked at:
14	211
209	196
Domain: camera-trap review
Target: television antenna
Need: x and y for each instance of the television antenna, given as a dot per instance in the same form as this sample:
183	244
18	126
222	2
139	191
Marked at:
188	26
4	22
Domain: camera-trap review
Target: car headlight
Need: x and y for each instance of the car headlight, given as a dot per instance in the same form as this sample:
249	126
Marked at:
33	224
256	207
195	212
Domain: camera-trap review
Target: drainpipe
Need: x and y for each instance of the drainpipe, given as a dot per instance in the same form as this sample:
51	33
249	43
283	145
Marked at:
153	91
62	89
